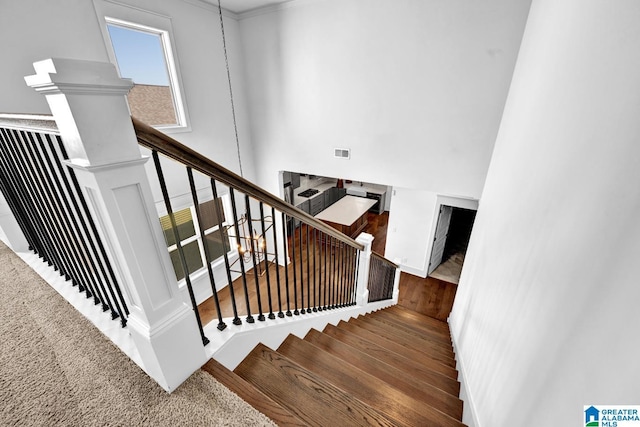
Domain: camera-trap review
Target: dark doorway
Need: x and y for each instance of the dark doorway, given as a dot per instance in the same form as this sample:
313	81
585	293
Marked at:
459	232
460	222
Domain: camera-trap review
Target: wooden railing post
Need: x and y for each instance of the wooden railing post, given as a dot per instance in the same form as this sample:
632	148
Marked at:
362	293
88	102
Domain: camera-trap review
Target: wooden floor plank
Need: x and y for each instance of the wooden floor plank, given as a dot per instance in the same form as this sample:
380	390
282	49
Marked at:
388	318
307	396
254	397
384	345
414	340
425	348
402	379
398	406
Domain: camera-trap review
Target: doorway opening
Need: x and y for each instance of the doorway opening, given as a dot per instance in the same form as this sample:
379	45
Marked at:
450	242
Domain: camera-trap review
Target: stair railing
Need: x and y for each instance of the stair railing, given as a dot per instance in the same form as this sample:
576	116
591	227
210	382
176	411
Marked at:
44	197
291	270
382	278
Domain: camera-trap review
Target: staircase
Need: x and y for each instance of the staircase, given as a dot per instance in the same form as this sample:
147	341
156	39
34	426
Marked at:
394	367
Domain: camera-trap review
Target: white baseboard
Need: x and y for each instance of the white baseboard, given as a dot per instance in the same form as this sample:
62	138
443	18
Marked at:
469	413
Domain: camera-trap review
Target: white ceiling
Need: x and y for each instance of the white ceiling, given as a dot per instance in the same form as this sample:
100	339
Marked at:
239	6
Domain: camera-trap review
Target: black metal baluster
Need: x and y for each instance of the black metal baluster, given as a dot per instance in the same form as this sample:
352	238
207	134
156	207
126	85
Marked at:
266	259
205	246
20	191
332	273
60	254
315	254
94	239
342	268
302	309
17	210
253	257
59	178
275	250
356	275
249	318
293	265
236	320
352	275
349	280
67	235
308	273
286	267
101	295
327	256
176	234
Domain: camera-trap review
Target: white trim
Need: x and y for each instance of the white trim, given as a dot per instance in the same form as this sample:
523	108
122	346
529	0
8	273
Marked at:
469	412
272	8
112	12
212	6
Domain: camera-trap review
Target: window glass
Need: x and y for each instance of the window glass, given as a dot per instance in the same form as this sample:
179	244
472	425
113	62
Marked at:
217	244
215	239
184	222
192	256
209	214
141	55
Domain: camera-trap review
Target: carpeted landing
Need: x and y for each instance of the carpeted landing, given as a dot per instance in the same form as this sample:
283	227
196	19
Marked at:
57	369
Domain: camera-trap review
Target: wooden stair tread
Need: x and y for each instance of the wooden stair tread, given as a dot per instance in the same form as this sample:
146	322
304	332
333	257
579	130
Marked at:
310	398
431	361
398	406
254	397
410	314
414	340
401	379
412	326
424	367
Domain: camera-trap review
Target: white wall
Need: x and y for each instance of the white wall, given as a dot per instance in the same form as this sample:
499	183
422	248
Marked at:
39	29
546	318
416	89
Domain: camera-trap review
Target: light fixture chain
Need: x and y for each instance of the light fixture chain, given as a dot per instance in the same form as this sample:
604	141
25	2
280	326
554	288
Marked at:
233	110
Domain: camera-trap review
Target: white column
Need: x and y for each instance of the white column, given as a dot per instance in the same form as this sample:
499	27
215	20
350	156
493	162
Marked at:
88	102
362	292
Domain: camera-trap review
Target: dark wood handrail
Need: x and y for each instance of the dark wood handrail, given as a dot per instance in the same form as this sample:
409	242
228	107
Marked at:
153	139
381	258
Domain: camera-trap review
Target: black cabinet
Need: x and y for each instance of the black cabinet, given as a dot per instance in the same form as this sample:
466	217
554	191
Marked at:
317	205
333	194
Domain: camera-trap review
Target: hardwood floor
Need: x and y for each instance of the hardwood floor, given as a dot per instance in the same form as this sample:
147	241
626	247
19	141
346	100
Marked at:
429	296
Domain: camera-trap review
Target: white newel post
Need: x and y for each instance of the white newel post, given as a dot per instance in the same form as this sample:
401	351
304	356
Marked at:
362	292
88	102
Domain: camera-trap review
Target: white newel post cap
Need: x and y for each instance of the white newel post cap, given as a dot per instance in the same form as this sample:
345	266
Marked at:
71	86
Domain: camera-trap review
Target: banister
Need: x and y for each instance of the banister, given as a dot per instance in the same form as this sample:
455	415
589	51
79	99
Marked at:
381	258
42	122
153	139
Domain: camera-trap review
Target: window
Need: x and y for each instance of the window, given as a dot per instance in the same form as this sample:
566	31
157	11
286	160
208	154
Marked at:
216	239
144	54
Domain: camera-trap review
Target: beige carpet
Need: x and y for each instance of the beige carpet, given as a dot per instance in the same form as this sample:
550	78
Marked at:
57	369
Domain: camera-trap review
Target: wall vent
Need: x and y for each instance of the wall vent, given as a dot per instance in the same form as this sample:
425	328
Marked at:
342	153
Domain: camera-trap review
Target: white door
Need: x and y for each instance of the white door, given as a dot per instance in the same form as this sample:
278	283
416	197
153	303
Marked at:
440	238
